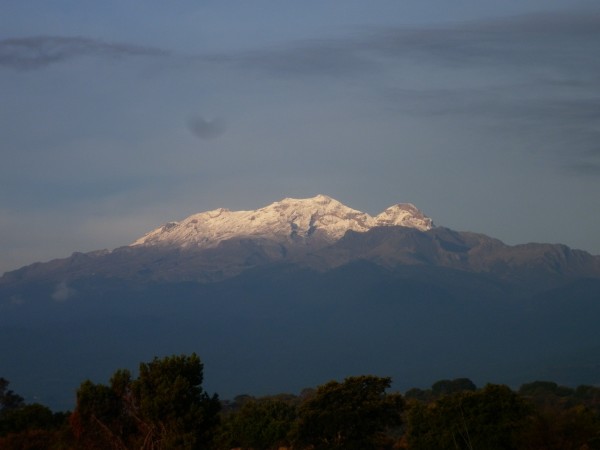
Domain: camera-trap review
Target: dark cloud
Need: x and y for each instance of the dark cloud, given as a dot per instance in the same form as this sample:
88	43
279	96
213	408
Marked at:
548	63
585	168
40	51
543	72
553	40
206	129
518	102
595	151
543	87
532	39
546	120
322	57
557	23
589	160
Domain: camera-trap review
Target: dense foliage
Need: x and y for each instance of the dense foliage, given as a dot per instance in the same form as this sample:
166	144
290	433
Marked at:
30	426
491	418
165	407
350	415
259	424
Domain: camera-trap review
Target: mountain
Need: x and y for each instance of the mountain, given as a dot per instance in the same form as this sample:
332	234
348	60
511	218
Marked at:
299	292
319	233
312	222
217	244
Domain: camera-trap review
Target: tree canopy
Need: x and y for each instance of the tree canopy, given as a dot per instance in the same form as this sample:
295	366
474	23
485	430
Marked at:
349	415
164	408
490	418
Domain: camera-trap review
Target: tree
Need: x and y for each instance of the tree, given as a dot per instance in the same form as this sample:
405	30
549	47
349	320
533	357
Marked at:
554	427
545	391
101	418
564	418
260	424
30	426
350	415
446	387
8	399
171	406
165	407
492	418
440	388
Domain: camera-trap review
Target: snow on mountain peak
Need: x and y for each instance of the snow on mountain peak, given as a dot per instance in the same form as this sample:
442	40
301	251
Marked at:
318	219
405	215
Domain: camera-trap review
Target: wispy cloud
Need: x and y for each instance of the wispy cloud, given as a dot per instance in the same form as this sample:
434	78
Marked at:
62	292
319	57
206	129
544	69
543	83
40	51
525	41
585	168
532	39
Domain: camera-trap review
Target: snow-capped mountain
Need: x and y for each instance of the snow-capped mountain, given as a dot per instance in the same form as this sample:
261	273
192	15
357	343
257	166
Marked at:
317	233
320	219
306	283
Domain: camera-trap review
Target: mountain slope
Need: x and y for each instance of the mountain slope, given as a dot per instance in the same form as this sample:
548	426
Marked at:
319	233
299	292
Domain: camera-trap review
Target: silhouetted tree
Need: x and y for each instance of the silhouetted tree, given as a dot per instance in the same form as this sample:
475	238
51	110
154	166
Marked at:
164	408
492	418
350	415
8	399
30	426
260	424
446	387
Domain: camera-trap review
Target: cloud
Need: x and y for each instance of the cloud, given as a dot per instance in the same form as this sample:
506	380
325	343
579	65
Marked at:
585	168
525	40
543	70
562	123
206	129
532	77
41	51
62	292
576	22
559	41
528	102
320	57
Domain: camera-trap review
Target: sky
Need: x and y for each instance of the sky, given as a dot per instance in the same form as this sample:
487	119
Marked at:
119	116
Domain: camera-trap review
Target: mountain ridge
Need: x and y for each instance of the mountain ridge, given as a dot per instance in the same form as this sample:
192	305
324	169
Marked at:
319	233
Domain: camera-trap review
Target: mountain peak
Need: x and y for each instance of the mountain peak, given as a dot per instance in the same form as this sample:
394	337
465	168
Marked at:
406	215
315	221
319	198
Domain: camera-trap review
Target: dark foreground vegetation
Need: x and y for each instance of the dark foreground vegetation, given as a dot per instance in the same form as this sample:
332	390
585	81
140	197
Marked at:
165	407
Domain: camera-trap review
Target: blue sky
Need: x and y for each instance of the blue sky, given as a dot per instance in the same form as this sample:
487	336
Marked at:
119	116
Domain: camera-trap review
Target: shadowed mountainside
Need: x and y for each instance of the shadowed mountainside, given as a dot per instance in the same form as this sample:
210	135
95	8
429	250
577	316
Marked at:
268	316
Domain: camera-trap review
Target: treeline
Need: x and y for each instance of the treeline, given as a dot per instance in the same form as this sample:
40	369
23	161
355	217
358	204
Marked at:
165	407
